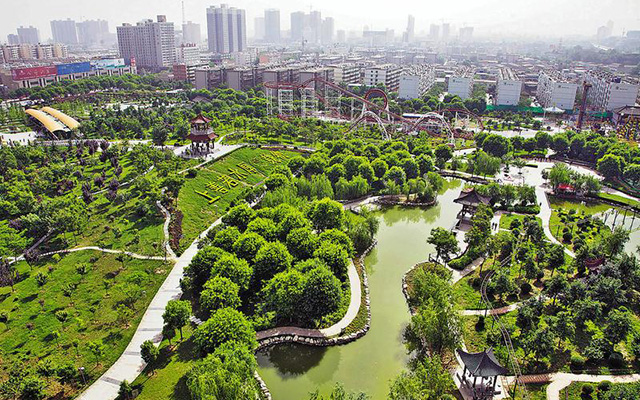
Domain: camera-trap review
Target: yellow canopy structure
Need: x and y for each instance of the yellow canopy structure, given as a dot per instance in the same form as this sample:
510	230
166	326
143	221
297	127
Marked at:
46	120
62	117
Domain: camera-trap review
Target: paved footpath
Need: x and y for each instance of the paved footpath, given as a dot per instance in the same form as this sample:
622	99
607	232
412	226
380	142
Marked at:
130	364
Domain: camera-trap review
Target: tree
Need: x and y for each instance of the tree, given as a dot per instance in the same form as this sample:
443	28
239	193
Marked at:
559	174
445	243
396	175
126	390
225	325
541	343
443	153
338	393
219	292
335	257
228	373
428	380
149	353
496	145
159	134
326	214
558	284
611	166
271	259
236	269
239	216
632	173
619	325
322	293
301	243
283	294
96	348
176	314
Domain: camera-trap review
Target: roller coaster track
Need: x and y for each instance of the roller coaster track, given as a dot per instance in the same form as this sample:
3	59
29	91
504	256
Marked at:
506	337
434	123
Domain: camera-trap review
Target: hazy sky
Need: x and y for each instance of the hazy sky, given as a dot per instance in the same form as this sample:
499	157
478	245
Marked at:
546	18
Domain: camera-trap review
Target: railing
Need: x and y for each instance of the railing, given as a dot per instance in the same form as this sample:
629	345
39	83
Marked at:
505	333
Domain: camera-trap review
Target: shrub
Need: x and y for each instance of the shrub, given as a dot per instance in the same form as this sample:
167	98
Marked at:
577	361
525	288
587	390
41	278
604	386
616	360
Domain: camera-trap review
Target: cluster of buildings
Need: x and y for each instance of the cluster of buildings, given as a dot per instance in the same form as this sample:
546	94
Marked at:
46	74
23	52
68	32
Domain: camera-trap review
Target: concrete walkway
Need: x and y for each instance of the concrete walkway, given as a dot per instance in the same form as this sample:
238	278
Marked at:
561	380
130	363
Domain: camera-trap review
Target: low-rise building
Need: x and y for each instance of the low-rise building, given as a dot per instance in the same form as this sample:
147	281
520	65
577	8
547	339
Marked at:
415	81
508	88
386	74
556	91
209	78
460	83
346	73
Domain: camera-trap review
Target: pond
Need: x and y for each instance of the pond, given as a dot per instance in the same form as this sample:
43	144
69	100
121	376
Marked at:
292	371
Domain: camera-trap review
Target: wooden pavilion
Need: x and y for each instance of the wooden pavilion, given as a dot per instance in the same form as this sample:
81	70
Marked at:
470	200
480	373
201	134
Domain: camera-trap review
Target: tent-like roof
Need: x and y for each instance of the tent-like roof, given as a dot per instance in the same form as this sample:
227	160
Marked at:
472	198
482	364
46	120
62	117
200	119
554	110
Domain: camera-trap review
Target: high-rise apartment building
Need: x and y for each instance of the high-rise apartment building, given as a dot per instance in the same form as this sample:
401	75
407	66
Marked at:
298	22
346	73
554	90
151	44
328	27
92	32
226	29
508	88
466	33
64	31
29	35
272	25
258	28
434	31
446	31
409	34
609	91
191	33
12	38
314	29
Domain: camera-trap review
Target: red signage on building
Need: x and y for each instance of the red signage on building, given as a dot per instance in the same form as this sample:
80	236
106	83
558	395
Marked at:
21	74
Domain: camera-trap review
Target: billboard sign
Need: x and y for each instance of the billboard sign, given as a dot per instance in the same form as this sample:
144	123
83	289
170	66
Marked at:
21	74
73	68
108	63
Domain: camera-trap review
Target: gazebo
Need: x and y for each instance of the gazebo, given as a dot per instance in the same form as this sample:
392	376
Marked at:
470	200
202	136
484	366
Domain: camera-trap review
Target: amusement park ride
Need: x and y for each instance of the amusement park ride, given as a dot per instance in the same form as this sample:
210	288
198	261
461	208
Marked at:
319	98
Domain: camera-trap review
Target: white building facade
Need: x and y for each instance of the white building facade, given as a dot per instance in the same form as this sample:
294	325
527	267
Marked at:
416	81
556	91
508	88
609	92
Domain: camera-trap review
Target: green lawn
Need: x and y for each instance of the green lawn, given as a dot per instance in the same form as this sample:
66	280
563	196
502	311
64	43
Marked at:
624	200
198	212
572	212
506	219
90	311
168	381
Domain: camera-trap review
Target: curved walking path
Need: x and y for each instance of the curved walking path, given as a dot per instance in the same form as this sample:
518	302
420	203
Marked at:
111	251
561	380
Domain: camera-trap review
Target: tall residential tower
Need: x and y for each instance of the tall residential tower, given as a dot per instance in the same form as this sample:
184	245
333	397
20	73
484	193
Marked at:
226	29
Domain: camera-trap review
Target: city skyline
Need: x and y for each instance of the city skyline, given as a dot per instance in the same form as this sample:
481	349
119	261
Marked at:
489	18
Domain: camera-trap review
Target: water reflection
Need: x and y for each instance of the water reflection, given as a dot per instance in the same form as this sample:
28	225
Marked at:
291	358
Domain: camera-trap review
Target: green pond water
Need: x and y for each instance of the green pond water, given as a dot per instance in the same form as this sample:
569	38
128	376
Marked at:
292	371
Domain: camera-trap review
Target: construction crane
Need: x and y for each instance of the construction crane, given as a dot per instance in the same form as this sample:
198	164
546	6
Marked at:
583	106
